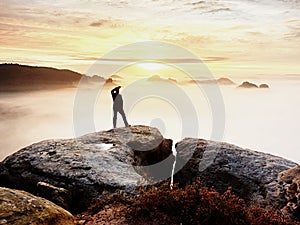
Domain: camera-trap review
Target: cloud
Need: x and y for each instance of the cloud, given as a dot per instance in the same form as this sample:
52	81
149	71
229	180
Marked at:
255	33
239	27
203	3
107	23
158	60
187	39
292	35
291	2
292	21
198	3
99	23
219	10
294	27
212	7
215	59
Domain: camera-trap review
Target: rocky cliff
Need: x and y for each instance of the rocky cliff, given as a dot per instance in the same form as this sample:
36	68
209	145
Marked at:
73	172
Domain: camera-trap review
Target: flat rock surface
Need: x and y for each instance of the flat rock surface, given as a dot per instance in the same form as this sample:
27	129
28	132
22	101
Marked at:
85	166
21	208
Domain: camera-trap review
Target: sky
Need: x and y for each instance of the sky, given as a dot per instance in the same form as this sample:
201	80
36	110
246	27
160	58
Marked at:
235	38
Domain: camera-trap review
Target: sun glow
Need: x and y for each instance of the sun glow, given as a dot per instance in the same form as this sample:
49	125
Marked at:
151	66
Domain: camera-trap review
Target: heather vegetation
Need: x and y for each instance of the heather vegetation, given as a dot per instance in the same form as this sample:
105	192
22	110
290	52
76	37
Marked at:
192	204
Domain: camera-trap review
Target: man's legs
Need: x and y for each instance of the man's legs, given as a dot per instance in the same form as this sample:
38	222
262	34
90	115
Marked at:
121	111
115	118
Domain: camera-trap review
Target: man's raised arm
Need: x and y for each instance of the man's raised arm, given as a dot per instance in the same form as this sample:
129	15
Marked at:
114	92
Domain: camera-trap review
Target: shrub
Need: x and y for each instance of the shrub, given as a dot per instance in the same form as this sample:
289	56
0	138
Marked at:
194	204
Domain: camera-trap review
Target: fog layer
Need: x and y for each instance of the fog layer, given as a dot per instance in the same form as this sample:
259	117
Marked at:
261	119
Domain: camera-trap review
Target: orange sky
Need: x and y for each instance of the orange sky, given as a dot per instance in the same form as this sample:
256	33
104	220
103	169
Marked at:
234	38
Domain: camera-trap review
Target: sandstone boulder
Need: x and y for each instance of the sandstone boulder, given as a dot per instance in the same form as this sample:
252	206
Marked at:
85	167
251	174
290	191
20	208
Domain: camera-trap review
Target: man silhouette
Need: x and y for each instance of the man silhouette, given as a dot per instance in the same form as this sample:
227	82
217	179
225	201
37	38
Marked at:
118	106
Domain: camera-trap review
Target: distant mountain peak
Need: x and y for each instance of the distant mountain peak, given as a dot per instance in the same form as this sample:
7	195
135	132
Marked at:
225	81
247	84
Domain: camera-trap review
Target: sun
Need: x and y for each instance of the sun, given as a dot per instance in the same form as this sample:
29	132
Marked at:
151	66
